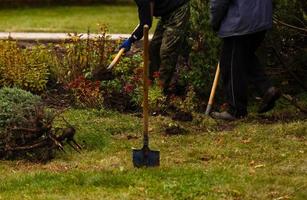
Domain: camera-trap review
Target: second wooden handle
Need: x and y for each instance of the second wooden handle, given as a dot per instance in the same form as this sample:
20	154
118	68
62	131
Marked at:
116	59
213	90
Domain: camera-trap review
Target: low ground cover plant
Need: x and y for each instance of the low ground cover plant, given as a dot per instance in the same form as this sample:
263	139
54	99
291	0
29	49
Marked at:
15	104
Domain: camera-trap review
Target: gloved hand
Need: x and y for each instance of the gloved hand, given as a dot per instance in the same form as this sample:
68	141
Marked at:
126	45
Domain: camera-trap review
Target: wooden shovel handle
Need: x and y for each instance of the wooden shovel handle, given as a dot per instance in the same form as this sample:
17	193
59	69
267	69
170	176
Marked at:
213	90
145	87
116	59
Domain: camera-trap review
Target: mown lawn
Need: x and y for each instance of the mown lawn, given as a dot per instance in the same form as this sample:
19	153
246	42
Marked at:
262	157
118	18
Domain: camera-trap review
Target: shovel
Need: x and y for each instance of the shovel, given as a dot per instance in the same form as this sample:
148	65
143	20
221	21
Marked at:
106	73
145	157
116	59
213	90
102	72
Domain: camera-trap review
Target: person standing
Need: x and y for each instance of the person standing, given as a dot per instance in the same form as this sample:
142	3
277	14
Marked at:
168	38
242	25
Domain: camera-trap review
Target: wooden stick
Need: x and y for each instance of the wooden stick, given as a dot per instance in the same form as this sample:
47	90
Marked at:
213	90
145	88
116	59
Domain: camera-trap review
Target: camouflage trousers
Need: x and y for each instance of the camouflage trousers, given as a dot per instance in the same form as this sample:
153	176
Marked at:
168	40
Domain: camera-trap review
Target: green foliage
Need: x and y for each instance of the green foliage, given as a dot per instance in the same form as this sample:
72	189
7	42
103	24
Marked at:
128	65
293	11
112	86
205	47
23	68
289	43
156	98
15	105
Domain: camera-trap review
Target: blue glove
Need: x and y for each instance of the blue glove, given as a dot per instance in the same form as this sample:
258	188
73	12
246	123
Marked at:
126	45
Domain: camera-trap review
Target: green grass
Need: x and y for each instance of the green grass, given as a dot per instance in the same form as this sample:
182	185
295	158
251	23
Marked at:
119	18
248	159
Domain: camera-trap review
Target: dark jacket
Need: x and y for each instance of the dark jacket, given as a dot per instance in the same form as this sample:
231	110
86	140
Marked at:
161	8
240	17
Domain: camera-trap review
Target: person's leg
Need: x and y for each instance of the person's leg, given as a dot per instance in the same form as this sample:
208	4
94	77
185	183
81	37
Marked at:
258	77
154	50
233	69
225	60
255	70
174	35
225	66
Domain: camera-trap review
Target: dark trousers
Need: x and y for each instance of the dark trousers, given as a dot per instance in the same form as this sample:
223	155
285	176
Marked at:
239	66
167	43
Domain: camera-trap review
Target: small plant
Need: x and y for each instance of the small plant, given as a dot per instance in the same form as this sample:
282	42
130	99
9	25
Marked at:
188	104
86	92
156	97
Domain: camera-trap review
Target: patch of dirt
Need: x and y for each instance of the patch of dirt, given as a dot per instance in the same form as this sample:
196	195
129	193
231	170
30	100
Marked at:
226	126
175	130
103	74
182	116
132	137
119	101
277	118
206	158
57	98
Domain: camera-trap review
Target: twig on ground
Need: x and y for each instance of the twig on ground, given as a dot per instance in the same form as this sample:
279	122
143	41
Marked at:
294	103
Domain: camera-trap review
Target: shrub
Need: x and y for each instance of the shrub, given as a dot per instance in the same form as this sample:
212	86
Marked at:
80	57
16	105
23	68
188	104
288	55
156	98
204	46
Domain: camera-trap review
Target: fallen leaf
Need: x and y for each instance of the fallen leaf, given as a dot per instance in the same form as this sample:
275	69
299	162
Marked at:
259	166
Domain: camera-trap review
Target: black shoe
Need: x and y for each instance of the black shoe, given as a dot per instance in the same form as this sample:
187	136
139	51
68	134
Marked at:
223	115
269	99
